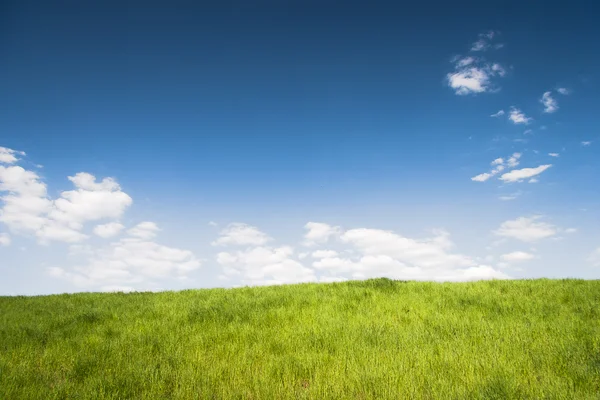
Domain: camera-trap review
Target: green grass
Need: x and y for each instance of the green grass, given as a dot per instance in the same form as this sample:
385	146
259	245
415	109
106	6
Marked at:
376	339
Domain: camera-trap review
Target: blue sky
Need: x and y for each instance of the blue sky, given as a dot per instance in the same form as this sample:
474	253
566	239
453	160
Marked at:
169	147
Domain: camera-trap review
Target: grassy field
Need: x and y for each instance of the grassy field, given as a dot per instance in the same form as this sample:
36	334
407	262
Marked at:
376	339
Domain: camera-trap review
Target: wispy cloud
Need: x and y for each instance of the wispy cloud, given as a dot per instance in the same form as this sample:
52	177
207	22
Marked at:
554	154
517	256
508	197
550	103
482	177
498	114
586	143
484	42
518	175
526	229
518	117
563	91
463	62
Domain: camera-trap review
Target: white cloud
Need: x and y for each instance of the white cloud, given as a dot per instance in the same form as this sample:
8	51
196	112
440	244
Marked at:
527	131
370	253
385	253
265	266
571	230
554	154
526	229
482	177
509	197
28	210
108	230
212	223
91	201
469	80
521	174
133	260
324	254
518	117
513	161
588	143
533	180
8	156
319	233
517	256
239	234
550	104
563	91
498	114
5	239
475	74
25	203
144	230
499	166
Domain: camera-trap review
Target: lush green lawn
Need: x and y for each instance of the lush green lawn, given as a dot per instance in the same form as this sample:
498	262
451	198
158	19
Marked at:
528	339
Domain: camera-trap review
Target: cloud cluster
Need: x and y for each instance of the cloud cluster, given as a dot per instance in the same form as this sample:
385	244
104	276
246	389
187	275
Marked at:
133	260
499	165
475	74
28	210
366	253
516	175
264	265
